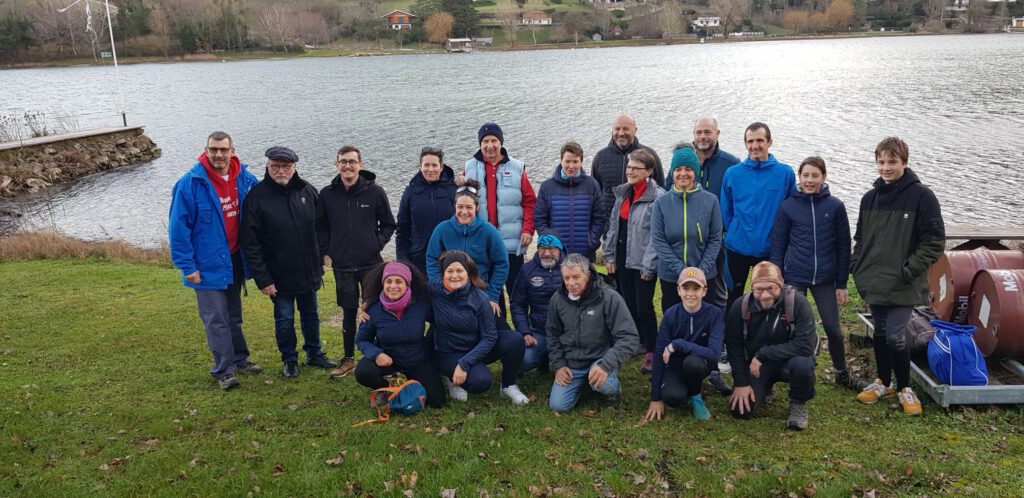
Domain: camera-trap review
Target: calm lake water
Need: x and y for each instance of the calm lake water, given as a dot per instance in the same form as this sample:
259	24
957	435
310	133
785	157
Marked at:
957	101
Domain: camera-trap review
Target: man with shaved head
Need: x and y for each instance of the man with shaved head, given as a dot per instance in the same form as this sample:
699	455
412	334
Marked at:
609	166
713	161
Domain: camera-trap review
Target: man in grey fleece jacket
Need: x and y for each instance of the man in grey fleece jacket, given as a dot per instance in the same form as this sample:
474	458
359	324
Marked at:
590	334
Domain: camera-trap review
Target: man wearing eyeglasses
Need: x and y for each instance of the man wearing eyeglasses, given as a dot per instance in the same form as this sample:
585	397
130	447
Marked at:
203	232
353	222
280	244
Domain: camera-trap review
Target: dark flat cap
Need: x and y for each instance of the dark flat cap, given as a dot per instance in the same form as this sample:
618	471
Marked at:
282	154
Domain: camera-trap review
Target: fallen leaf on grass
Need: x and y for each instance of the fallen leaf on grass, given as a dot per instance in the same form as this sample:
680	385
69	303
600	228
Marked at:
908	470
642	454
590	413
809	491
338	460
249	419
635	478
408	493
248	456
849	465
443	431
578	467
278	469
449	493
256	445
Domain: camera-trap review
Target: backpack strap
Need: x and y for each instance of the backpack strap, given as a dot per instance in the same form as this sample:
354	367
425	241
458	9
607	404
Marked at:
745	313
788	303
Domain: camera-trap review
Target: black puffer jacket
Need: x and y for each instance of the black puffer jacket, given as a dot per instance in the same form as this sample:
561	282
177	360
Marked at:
609	169
354	224
279	236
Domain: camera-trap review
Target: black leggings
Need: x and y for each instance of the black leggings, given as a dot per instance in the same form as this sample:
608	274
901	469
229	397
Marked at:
682	378
739	270
828	309
372	376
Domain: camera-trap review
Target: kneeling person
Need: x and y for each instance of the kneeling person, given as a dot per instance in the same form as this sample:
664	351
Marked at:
771	340
590	334
536	283
689	343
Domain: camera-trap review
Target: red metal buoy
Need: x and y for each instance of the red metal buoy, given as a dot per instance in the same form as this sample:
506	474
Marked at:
997	309
949	279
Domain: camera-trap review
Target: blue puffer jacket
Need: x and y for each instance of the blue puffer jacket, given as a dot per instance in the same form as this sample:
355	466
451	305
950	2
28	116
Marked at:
532	293
402	339
574	208
424	205
196	228
751	194
463	323
686	230
481	241
811	239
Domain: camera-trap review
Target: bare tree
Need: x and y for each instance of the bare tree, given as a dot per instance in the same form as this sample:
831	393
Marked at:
838	14
934	9
275	25
439	27
731	12
509	20
160	28
977	10
312	28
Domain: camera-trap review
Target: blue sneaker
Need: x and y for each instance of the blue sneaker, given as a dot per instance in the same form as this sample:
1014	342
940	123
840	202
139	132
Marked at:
700	411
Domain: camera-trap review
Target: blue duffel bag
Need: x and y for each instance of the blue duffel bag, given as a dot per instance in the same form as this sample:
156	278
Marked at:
954	357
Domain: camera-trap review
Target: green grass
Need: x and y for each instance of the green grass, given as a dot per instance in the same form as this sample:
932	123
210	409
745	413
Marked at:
105	390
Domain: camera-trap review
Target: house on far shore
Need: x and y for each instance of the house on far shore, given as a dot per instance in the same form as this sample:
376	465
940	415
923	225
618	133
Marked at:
459	45
398	19
536	17
1016	25
707	22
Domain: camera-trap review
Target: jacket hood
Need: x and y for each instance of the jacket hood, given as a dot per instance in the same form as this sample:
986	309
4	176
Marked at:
696	188
569	181
752	164
447	175
365	177
200	170
479	156
466	230
909	178
629	148
821	194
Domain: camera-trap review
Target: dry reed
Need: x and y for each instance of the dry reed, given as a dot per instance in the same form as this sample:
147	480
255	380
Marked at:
52	245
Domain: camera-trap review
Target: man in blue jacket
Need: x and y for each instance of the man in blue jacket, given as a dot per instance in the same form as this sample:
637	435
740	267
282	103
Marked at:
751	194
203	232
570	203
537	282
714	162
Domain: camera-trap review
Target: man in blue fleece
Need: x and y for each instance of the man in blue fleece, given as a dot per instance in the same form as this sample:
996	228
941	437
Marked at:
751	194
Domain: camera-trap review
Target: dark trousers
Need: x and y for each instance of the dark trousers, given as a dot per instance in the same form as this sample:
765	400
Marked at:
682	377
828	310
348	285
891	351
739	268
515	263
718	290
639	296
798	371
509	349
670	297
372	376
284	325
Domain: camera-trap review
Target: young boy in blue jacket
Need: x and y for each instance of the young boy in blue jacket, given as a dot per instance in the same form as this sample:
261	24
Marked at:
689	343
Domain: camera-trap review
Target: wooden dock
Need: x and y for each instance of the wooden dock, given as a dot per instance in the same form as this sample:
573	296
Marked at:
974	237
49	139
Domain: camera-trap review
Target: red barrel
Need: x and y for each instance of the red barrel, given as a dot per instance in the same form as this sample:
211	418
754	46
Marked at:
997	309
949	279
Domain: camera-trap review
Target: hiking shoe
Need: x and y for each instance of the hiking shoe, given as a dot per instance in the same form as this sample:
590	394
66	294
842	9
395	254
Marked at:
228	381
321	361
346	366
874	392
718	382
768	398
700	410
248	368
648	363
291	369
845	379
797	416
457	393
911	405
512	392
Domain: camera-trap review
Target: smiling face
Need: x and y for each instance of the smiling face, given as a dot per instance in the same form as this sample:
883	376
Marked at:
811	179
455	275
490	146
548	256
683	178
757	143
349	165
395	287
636	172
705	135
575	279
282	172
623	131
692	294
465	209
766	293
430	166
890	167
220	152
571	163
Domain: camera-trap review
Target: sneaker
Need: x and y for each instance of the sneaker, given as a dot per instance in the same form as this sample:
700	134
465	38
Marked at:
346	366
718	382
248	368
455	392
321	361
797	416
700	410
844	379
228	381
512	392
648	363
291	369
723	366
911	405
874	392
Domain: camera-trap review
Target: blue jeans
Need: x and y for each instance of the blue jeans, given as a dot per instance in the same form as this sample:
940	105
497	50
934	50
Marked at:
564	398
536	356
284	325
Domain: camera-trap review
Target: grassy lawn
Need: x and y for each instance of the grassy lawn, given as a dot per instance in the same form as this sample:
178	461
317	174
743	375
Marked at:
103	376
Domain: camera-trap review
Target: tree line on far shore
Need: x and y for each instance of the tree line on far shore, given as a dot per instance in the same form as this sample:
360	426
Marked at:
41	30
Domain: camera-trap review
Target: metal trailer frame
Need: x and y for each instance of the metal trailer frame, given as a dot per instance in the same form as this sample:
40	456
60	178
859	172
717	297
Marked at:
946	395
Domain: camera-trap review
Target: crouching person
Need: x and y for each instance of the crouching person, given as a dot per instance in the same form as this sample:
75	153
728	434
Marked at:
689	342
770	337
590	334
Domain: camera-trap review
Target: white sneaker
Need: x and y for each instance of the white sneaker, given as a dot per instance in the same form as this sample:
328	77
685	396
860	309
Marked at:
724	367
455	392
512	392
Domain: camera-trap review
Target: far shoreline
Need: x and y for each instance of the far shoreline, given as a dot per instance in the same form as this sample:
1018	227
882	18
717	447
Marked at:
330	52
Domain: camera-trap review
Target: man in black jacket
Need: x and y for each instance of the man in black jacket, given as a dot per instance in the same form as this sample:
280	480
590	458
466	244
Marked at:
609	166
279	241
770	335
353	222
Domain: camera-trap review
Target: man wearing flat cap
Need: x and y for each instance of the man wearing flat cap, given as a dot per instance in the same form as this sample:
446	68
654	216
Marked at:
280	244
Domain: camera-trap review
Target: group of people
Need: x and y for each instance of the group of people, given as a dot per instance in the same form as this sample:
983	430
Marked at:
439	313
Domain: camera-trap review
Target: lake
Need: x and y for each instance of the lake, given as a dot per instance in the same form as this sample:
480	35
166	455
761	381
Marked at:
956	100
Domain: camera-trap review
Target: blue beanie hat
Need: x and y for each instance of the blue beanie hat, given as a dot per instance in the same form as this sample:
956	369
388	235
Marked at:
490	129
683	156
550	239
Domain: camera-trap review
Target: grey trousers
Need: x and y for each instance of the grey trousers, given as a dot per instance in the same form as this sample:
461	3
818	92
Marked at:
221	313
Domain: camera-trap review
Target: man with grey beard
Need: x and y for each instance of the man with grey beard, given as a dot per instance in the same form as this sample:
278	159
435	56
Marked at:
536	283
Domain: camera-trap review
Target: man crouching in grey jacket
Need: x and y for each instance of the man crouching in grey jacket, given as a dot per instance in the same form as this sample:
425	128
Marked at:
590	334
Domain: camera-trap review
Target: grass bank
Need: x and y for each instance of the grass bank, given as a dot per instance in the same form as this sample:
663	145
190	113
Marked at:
103	376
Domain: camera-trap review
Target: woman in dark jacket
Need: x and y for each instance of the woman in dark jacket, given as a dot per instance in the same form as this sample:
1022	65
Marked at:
427	201
465	337
392	339
811	244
